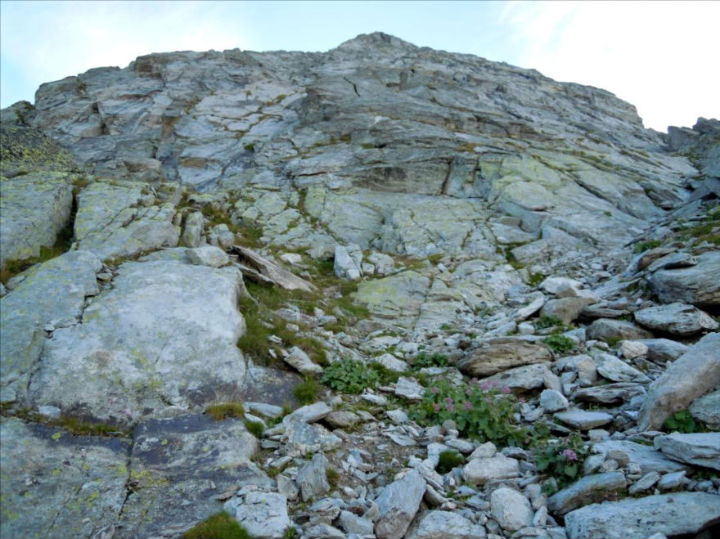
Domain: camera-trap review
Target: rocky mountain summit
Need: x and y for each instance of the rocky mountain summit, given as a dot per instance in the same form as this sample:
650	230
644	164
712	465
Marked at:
379	292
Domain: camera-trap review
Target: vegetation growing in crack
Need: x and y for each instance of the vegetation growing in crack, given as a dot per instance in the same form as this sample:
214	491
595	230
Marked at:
559	343
561	459
73	425
217	526
225	410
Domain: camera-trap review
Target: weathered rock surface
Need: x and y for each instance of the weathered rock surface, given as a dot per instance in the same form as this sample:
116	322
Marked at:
262	514
587	490
669	514
646	458
483	469
34	208
689	377
676	318
496	355
510	509
52	294
74	485
398	503
445	525
700	449
696	285
164	335
707	409
607	329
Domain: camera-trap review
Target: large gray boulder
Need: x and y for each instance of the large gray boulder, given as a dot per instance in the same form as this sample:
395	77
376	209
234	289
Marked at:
398	503
697	285
693	375
262	514
607	329
510	509
587	490
500	354
642	456
51	296
33	209
676	318
164	335
445	525
668	514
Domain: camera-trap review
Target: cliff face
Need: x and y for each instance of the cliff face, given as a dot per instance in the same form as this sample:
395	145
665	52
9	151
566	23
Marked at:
375	115
367	230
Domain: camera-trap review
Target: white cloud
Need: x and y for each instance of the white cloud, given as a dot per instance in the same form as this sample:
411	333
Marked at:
656	55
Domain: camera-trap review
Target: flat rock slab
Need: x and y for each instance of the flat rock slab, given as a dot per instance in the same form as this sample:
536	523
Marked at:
398	503
398	297
587	490
700	449
259	268
164	335
521	378
668	514
583	420
616	370
696	285
610	393
483	469
179	466
501	354
445	525
53	293
54	484
33	209
691	376
111	221
607	329
676	319
647	458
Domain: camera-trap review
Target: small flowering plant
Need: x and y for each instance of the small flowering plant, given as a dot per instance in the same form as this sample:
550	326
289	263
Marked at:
481	410
562	459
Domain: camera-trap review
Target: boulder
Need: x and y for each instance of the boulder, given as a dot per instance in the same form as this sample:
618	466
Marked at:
696	285
643	457
345	266
262	514
510	509
34	208
676	319
397	297
445	525
260	269
566	309
699	449
553	401
664	350
617	370
521	378
207	255
583	420
588	489
607	329
669	514
484	469
500	354
312	477
609	393
301	362
707	409
692	375
397	504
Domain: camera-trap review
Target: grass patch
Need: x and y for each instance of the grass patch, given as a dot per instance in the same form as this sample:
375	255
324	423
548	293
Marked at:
559	343
218	526
449	460
646	246
424	360
255	428
228	409
350	376
306	392
73	425
333	476
545	322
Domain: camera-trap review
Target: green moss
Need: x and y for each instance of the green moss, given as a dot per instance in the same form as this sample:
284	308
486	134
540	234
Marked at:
255	428
222	411
218	526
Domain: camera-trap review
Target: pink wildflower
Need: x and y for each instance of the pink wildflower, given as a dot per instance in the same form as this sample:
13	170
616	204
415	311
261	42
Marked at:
435	390
570	454
506	390
450	407
467	405
436	407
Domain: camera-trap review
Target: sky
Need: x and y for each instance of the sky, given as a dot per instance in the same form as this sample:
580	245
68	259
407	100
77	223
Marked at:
659	56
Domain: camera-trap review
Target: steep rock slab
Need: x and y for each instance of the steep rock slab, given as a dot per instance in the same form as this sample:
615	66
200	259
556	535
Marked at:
178	468
164	335
398	503
675	318
694	374
496	355
700	449
668	514
697	285
55	484
33	209
118	220
398	297
52	295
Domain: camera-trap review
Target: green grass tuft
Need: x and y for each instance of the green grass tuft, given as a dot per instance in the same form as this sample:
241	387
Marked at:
222	411
218	526
306	392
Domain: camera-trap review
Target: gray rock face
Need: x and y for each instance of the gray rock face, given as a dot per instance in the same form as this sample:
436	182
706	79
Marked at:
646	458
510	509
33	209
164	335
676	318
481	470
398	297
312	477
587	490
664	350
669	514
345	266
445	525
707	409
583	420
696	285
566	309
207	255
112	222
617	370
52	293
496	355
175	478
609	393
301	362
700	449
689	377
398	503
54	484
